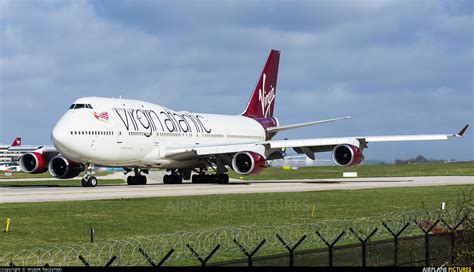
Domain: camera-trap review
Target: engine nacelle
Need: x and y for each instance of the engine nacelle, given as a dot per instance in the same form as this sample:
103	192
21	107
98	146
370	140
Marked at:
33	163
248	163
347	155
62	168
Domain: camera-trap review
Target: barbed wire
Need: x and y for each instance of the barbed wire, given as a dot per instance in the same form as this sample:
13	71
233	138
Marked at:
156	247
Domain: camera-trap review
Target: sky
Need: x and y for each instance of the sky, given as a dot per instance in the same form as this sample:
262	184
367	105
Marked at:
396	67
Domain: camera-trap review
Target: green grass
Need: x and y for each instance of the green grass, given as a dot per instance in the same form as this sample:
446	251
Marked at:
388	170
66	223
21	175
57	183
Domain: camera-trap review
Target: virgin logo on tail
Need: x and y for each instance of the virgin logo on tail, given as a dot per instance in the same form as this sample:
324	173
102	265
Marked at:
266	99
16	142
263	99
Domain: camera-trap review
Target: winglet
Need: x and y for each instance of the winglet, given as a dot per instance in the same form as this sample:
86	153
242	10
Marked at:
461	132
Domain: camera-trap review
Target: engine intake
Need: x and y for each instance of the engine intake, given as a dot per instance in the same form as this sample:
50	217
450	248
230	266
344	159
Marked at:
248	163
62	168
33	163
347	155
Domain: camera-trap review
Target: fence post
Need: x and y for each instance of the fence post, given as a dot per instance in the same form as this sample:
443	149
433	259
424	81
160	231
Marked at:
250	255
363	243
142	251
203	261
330	246
427	240
291	250
395	241
109	263
453	237
92	234
86	264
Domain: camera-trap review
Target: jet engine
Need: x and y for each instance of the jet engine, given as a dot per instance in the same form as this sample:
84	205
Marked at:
248	163
33	163
347	155
62	168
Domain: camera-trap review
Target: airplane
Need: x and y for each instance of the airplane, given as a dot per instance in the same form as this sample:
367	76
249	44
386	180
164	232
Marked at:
6	157
16	142
138	136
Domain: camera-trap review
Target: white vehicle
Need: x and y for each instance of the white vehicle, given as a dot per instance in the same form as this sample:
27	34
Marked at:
138	135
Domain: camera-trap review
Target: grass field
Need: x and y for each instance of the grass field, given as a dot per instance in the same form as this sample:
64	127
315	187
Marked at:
387	170
66	223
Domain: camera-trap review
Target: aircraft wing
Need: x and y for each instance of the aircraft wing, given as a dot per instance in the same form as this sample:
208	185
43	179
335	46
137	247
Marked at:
310	146
292	126
199	151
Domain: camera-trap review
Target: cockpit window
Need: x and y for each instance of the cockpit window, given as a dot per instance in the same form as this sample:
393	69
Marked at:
80	106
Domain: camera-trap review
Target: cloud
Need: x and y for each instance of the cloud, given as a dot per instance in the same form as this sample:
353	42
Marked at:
395	66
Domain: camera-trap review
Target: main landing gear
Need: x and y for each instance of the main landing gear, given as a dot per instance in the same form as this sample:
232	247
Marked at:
175	177
138	178
89	180
202	177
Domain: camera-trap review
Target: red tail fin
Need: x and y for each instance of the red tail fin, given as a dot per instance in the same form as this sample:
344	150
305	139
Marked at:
16	142
263	97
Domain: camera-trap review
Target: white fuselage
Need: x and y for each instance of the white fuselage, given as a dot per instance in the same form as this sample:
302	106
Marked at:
132	133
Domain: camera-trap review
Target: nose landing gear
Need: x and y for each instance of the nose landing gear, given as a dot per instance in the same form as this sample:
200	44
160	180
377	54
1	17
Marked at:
89	180
138	178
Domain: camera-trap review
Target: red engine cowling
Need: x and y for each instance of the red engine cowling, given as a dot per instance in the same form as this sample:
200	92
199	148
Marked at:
347	155
248	163
33	163
62	168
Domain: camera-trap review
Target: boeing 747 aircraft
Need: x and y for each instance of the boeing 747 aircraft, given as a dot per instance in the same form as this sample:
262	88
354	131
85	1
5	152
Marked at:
138	136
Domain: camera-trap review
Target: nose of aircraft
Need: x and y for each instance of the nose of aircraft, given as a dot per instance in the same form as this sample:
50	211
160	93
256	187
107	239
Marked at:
63	138
59	136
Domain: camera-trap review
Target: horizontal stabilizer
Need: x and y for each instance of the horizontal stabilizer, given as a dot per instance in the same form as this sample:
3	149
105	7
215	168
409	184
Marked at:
281	128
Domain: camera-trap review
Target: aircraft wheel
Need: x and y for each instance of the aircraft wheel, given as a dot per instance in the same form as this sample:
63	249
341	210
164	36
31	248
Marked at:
178	179
223	179
84	182
131	180
198	178
172	179
142	180
92	182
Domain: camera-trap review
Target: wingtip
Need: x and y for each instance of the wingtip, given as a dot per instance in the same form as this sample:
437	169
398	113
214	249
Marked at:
462	131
